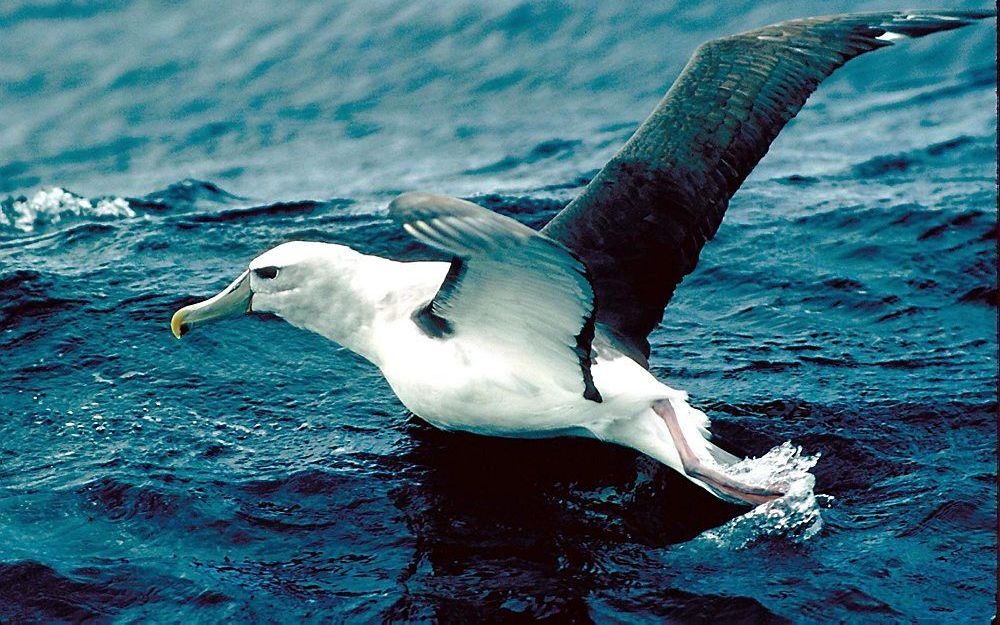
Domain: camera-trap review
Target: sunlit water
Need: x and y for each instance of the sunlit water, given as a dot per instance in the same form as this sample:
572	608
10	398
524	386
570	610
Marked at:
841	329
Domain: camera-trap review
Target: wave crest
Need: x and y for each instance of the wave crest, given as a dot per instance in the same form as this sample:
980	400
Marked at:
55	206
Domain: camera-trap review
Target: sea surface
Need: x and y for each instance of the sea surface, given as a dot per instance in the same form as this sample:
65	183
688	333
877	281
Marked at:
257	473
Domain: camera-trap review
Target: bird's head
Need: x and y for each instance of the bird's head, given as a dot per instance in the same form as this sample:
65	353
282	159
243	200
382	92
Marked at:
304	283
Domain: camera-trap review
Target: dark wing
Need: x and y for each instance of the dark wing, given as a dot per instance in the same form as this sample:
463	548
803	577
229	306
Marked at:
511	290
642	221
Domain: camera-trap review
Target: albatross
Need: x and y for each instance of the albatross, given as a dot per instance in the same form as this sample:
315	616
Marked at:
543	334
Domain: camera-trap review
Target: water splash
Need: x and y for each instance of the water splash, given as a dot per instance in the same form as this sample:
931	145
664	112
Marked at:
794	516
55	205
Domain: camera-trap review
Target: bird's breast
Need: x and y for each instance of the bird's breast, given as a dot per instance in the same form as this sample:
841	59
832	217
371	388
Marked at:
461	385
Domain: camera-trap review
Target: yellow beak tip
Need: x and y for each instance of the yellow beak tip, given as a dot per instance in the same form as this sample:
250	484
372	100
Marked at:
177	326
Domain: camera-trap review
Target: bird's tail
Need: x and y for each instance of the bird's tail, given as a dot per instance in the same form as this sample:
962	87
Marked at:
647	432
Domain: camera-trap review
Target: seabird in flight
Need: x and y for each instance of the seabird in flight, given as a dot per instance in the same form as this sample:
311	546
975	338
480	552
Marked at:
541	334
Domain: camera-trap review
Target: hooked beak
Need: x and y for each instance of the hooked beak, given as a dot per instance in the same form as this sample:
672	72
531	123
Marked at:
234	300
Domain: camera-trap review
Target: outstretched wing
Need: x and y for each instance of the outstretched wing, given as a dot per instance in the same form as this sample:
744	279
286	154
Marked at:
642	221
509	288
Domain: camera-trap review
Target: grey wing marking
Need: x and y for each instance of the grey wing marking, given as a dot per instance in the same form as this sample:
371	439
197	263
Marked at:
499	260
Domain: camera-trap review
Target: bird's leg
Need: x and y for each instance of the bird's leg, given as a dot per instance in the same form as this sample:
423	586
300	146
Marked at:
725	486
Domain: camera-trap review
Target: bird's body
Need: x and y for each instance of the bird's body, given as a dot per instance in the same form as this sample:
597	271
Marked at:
472	380
459	384
540	334
464	382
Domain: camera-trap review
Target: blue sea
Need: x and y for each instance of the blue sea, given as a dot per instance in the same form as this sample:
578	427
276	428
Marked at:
257	473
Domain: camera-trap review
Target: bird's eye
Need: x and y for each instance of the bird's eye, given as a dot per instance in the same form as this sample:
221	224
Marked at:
266	272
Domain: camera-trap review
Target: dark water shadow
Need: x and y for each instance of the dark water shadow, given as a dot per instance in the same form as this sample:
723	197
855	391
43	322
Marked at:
522	528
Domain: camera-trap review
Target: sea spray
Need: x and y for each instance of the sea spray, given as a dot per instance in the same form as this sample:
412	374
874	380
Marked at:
794	516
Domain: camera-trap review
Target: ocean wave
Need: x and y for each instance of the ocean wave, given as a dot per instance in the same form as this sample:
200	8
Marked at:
889	164
550	149
55	207
186	194
30	294
123	501
278	209
533	211
33	592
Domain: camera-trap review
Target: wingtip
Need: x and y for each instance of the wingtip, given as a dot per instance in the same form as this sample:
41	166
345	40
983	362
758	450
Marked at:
980	15
920	23
949	15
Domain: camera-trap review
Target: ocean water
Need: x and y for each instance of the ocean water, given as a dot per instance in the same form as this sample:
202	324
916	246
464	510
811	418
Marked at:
256	473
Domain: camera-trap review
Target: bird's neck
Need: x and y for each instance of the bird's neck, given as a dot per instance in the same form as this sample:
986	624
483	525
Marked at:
360	297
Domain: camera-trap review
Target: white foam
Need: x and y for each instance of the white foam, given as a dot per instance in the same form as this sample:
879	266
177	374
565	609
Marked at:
890	36
51	206
794	516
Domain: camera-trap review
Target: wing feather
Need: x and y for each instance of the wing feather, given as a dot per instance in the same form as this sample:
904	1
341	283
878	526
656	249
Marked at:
642	221
511	289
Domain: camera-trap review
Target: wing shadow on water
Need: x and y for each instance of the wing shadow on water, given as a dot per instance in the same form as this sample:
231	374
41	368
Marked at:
505	527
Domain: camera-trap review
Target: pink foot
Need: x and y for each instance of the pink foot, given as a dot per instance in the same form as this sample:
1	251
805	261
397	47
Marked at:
723	485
